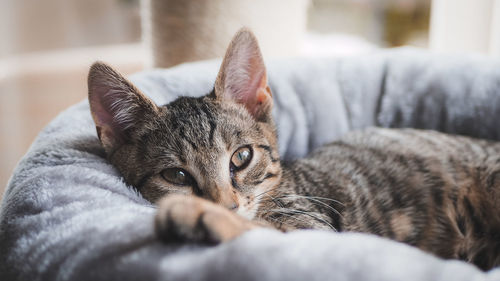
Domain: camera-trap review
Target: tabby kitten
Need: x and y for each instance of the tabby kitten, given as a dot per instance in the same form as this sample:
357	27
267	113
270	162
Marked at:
212	165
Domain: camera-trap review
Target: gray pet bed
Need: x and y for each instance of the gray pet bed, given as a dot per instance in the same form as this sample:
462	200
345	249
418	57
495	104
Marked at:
67	214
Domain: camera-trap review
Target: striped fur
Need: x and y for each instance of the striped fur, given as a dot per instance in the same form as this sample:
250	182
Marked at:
437	192
431	190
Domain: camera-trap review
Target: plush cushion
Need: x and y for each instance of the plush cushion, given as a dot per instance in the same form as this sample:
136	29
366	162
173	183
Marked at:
68	215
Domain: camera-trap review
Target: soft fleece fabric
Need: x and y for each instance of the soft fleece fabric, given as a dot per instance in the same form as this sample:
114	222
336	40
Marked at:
68	215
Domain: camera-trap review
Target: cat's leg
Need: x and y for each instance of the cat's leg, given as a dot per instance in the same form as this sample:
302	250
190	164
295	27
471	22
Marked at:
189	218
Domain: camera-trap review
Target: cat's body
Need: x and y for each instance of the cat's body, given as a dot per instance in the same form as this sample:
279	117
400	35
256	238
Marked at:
438	192
212	165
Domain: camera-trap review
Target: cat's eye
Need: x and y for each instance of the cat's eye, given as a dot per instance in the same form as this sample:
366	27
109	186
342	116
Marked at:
177	176
241	157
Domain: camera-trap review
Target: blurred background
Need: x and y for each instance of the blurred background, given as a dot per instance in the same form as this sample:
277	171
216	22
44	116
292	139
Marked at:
47	46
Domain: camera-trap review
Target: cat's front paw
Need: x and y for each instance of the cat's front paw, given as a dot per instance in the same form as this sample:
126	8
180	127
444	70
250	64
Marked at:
189	218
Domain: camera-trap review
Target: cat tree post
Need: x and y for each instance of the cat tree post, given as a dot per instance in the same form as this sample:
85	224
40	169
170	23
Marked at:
180	31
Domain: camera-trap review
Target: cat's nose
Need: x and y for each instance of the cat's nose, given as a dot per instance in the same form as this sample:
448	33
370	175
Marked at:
233	207
230	203
226	198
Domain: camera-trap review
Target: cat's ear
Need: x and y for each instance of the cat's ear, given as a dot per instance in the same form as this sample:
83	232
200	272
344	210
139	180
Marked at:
242	76
117	107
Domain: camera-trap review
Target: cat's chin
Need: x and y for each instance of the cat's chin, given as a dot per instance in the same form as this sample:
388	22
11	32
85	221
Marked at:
249	214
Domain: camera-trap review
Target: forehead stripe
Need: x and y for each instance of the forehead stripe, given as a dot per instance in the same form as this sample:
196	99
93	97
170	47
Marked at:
211	123
184	137
212	131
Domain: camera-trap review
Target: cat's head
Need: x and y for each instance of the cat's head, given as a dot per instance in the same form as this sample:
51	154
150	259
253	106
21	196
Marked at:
221	146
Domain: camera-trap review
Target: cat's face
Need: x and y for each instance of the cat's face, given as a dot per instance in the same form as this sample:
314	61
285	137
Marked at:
203	147
221	147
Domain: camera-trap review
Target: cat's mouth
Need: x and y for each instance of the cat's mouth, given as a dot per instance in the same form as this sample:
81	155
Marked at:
248	213
250	208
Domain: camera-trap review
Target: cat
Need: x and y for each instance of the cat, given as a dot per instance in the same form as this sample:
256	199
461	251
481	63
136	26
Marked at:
211	163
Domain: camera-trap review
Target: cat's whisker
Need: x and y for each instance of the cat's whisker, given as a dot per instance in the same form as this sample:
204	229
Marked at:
288	215
294	211
265	192
275	201
278	221
319	198
313	199
256	201
258	198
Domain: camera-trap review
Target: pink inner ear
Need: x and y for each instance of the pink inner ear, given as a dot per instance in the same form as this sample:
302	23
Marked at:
242	77
117	106
257	94
246	80
102	117
107	106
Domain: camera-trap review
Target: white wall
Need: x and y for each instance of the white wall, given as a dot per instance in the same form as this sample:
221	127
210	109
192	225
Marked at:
465	26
